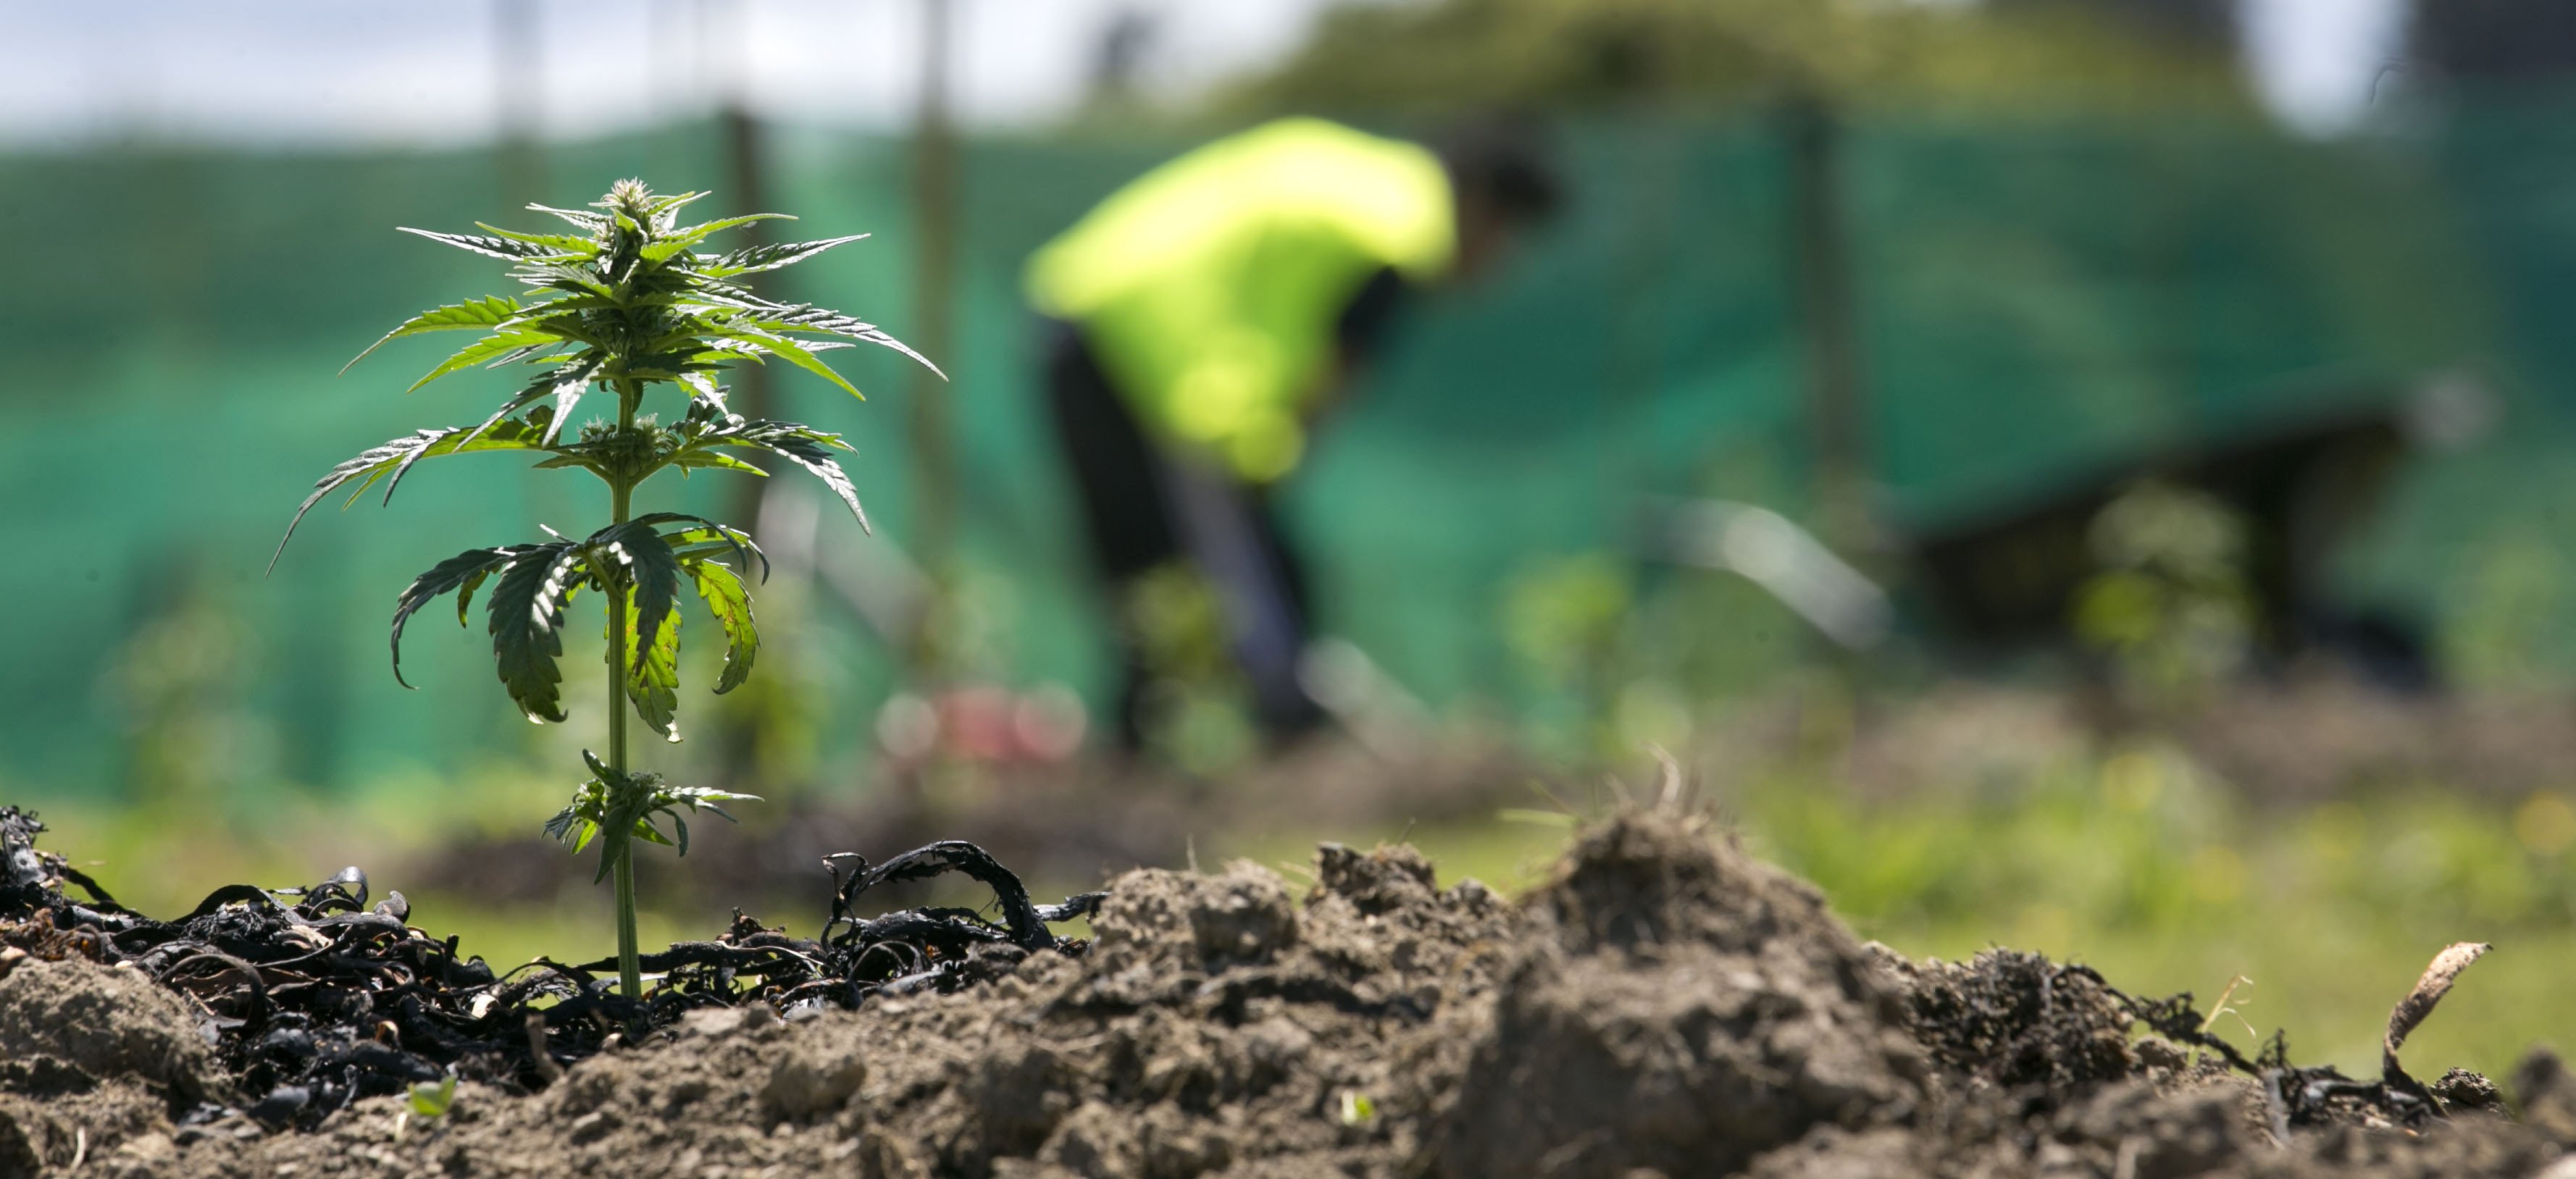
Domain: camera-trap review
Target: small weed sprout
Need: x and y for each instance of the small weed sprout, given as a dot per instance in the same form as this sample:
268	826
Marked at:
431	1099
623	304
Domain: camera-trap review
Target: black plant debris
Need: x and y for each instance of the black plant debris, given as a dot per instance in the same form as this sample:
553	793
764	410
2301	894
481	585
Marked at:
314	997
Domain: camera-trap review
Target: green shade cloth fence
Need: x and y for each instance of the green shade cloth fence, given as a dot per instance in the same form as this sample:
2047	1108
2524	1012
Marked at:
2035	301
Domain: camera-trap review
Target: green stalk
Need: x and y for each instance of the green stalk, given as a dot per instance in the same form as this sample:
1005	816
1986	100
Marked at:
617	845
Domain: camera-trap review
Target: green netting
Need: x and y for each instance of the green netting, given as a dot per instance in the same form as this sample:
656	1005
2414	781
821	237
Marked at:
2036	301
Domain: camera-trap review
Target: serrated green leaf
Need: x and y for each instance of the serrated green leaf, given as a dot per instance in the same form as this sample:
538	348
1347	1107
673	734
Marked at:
494	348
791	351
465	593
679	240
666	208
570	327
527	606
453	573
588	221
554	243
693	459
820	320
472	313
396	457
754	259
503	248
653	671
808	448
573	377
730	602
567	397
704	533
651	573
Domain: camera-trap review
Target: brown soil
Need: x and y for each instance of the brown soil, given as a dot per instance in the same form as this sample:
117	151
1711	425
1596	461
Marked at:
1666	1005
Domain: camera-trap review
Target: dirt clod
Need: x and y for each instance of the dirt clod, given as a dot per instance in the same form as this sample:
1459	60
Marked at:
1697	1009
2025	1025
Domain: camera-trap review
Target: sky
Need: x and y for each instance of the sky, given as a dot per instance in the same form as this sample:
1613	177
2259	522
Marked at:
343	72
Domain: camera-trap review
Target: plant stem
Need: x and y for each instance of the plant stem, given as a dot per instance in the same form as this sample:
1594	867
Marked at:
630	974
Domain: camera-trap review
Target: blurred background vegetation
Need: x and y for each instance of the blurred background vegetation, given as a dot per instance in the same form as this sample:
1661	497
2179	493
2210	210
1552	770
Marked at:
2082	345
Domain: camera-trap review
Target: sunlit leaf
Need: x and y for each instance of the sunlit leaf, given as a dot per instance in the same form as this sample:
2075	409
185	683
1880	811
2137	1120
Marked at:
807	448
816	319
472	313
707	536
570	379
754	259
492	348
396	458
694	459
554	243
722	590
651	573
588	221
680	240
506	249
791	351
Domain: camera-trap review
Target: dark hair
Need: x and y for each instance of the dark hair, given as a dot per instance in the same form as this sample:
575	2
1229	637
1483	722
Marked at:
1502	163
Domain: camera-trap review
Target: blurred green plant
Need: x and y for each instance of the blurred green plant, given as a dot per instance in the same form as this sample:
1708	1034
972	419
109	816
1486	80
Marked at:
1196	712
179	684
2511	626
432	1099
1523	54
1620	658
1565	618
623	305
2141	863
2170	607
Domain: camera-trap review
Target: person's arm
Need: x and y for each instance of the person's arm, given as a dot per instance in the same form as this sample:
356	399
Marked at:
1359	334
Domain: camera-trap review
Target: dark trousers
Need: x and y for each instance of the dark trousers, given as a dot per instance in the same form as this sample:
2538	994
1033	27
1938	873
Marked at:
1143	508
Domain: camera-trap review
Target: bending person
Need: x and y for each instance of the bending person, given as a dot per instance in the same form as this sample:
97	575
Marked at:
1203	319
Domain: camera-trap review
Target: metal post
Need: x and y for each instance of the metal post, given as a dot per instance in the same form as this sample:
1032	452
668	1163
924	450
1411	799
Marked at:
934	198
521	172
1828	328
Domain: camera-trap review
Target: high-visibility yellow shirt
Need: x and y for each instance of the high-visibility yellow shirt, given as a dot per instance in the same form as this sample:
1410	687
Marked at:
1210	288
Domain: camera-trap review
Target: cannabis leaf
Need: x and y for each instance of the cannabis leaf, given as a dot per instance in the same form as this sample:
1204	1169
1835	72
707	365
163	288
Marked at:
395	458
726	598
627	804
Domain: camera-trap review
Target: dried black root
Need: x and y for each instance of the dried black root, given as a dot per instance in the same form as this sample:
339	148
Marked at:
314	998
2049	1032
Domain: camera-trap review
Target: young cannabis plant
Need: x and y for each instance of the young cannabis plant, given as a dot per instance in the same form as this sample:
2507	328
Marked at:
624	304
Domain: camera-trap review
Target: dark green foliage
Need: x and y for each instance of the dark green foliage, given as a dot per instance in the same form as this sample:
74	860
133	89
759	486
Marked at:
538	581
527	625
620	802
625	303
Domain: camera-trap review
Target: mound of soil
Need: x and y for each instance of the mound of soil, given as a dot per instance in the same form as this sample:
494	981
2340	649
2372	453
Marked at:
1664	1006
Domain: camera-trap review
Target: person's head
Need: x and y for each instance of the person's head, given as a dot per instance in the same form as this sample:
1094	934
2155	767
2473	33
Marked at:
1503	186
